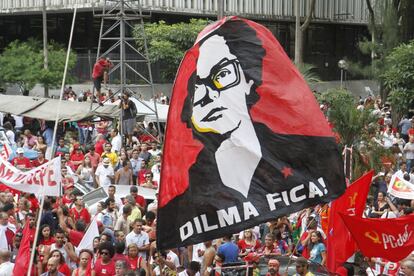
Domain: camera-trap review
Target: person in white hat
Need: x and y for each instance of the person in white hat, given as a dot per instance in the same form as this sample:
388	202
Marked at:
21	162
104	174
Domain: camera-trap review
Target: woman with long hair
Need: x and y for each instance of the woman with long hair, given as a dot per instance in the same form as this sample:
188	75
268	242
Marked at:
248	243
45	236
317	248
62	266
40	145
380	206
86	172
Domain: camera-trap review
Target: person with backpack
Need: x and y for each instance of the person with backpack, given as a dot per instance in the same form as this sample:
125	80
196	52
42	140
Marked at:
129	114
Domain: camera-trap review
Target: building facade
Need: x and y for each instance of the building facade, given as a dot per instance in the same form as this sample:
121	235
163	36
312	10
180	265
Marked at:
337	26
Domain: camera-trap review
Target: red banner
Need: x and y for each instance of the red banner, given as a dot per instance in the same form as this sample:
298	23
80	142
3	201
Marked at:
391	239
340	245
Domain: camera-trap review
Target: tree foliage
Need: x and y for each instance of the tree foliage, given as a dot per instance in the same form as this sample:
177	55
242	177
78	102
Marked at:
308	72
22	64
385	35
398	77
355	129
167	43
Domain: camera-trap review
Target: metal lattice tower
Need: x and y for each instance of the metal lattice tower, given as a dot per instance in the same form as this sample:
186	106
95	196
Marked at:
132	67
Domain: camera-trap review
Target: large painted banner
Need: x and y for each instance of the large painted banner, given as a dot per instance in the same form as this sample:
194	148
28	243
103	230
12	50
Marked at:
47	176
246	141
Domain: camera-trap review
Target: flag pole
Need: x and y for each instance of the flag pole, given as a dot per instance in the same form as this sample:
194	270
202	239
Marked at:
39	217
63	84
53	142
296	246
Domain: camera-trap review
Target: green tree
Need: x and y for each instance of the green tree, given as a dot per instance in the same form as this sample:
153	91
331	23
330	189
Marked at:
167	43
308	73
22	64
355	129
398	77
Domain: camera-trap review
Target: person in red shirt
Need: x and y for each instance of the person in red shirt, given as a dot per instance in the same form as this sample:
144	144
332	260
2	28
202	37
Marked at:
40	159
104	265
21	162
45	238
100	73
135	262
99	145
143	171
140	200
75	235
269	249
248	243
79	212
76	157
94	157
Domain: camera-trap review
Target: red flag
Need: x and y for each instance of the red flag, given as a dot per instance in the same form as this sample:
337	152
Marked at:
391	239
340	245
23	256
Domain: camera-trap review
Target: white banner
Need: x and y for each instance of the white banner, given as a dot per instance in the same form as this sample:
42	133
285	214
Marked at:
47	175
401	188
5	151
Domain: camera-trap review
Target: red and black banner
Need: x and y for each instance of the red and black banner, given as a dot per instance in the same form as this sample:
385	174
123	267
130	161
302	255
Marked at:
245	141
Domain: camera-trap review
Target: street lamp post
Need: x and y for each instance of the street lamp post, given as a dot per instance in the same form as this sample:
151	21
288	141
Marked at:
343	66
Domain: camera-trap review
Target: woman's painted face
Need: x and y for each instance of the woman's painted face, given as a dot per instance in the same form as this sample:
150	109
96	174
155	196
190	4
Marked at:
219	103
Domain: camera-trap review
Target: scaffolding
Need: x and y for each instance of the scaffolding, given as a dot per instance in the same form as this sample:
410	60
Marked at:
119	20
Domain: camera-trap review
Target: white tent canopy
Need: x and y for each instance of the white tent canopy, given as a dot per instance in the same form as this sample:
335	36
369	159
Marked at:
46	109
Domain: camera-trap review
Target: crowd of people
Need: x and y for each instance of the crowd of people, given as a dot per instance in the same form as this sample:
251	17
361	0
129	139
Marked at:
95	155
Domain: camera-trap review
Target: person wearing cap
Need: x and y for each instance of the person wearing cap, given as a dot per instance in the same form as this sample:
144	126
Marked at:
20	161
104	174
302	267
273	268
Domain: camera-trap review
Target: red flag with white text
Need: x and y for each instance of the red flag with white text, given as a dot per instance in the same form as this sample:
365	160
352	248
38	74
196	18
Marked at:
391	239
340	245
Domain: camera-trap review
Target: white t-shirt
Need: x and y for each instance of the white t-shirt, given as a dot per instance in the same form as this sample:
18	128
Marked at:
103	174
116	143
6	269
18	120
196	248
172	257
10	135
